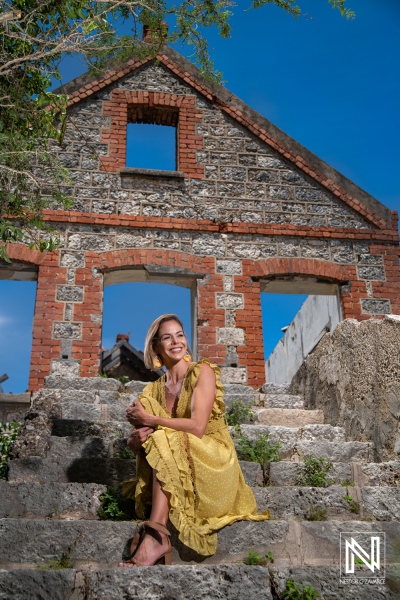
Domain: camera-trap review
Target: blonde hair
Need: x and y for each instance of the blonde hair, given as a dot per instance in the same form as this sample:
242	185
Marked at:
152	339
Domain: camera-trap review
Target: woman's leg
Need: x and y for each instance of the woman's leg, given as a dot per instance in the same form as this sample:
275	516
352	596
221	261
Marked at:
160	503
154	543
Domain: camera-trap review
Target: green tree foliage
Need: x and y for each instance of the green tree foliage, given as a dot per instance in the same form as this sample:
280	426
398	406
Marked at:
35	36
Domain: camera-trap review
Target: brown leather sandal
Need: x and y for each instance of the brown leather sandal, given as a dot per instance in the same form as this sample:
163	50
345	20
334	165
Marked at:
164	559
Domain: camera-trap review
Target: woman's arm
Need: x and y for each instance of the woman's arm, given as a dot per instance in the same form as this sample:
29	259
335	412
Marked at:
201	406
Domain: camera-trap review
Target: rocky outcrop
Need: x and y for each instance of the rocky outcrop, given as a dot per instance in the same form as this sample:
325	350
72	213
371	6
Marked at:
353	375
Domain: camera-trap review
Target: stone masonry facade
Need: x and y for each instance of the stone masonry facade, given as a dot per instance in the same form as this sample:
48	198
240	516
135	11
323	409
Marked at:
245	204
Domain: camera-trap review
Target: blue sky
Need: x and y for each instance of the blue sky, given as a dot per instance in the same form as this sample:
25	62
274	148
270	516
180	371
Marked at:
331	84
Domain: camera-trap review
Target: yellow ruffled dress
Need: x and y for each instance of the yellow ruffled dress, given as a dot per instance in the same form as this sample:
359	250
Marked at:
203	476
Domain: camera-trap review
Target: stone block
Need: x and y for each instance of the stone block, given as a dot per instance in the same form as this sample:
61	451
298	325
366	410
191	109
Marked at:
65	367
283	401
371	273
229	267
67	330
383	503
229	300
289	436
275	388
78	447
72	259
295	502
81	383
197	582
105	471
337	451
252	473
233	375
285	473
376	307
50	500
288	417
231	336
84	428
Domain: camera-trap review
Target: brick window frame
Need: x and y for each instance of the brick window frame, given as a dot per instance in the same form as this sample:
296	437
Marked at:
155	107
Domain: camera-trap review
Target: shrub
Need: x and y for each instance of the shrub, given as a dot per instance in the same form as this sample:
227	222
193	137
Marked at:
315	472
255	559
8	433
126	454
115	507
298	591
238	413
260	451
354	506
316	513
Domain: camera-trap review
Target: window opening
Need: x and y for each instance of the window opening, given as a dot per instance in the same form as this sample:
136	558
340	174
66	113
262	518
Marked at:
17	304
278	312
151	146
129	309
294	323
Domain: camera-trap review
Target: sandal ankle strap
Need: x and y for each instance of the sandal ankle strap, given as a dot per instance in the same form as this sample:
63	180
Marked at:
156	526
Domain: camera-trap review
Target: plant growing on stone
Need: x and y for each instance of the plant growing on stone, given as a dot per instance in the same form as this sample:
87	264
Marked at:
238	413
315	472
260	451
8	434
348	483
255	559
353	505
316	513
64	562
115	507
298	591
126	454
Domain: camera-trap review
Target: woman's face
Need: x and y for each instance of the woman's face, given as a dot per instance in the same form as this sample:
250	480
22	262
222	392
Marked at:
172	342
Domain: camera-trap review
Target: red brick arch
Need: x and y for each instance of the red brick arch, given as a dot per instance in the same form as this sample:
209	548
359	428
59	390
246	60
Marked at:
209	317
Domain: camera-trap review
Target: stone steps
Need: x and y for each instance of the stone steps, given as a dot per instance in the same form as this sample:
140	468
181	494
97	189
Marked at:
28	543
44	492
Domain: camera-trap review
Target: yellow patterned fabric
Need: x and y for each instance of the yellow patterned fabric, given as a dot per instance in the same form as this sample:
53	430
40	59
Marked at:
203	476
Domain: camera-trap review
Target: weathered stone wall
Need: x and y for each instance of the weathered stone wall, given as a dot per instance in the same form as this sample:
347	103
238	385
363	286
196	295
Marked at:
354	376
243	206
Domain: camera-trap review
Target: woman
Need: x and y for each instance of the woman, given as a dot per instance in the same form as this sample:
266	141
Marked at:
187	468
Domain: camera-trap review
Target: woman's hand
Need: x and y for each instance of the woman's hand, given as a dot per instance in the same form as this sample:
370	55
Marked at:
138	417
137	437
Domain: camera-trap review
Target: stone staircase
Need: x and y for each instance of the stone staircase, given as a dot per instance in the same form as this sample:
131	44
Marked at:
66	456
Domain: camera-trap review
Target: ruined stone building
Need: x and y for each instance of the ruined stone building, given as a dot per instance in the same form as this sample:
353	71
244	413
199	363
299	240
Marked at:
247	210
